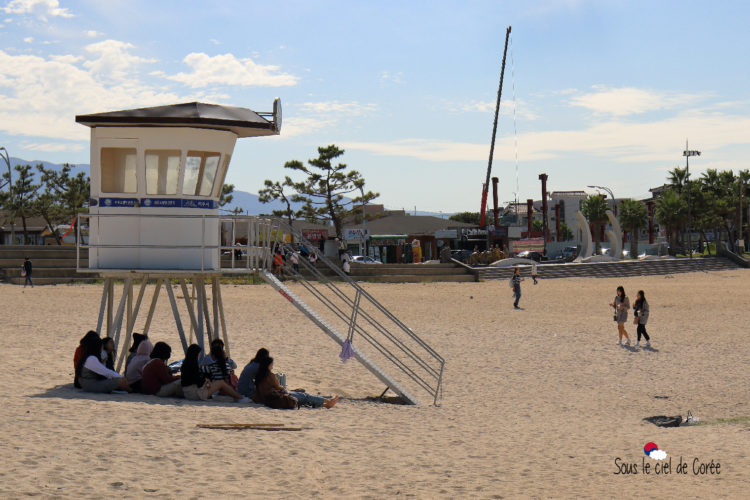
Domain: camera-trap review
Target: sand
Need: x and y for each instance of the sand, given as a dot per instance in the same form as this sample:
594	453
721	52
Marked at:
537	403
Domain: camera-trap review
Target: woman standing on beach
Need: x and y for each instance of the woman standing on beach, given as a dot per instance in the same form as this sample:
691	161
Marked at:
515	282
641	317
621	305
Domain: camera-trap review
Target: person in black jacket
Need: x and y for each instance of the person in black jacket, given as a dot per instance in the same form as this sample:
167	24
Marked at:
27	268
195	386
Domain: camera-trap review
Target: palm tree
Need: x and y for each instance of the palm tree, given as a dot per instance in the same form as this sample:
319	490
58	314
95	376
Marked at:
671	213
633	216
594	208
678	178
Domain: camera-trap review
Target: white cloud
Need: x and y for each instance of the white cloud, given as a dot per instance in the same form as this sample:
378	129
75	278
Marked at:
41	8
506	108
214	41
28	39
629	101
53	147
41	96
301	125
113	59
353	108
93	33
612	141
658	454
388	77
226	69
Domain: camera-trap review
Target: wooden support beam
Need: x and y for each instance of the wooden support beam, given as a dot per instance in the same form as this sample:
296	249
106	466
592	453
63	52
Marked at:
110	306
102	307
121	310
191	313
131	320
176	314
199	323
151	309
217	291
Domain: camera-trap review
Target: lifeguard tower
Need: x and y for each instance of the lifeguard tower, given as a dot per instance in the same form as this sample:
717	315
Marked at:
156	180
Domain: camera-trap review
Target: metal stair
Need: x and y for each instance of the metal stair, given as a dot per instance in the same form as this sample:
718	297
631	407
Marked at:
335	335
379	339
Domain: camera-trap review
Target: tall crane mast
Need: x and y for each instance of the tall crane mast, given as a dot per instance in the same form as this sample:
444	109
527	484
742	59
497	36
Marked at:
486	185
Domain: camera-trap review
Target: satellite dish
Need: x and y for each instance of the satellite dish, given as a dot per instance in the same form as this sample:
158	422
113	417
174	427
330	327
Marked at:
277	115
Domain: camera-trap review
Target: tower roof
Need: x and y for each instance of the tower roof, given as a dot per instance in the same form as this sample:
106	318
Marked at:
242	121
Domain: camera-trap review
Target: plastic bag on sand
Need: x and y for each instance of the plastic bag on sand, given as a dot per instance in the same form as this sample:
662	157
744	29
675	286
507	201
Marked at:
346	351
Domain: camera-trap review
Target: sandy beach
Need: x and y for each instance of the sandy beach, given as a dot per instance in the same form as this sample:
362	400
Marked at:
537	403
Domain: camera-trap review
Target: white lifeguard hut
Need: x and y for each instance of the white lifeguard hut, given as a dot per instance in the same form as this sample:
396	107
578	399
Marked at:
156	180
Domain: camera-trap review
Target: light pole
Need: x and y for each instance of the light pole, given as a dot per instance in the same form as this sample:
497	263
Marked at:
6	157
364	240
611	195
687	154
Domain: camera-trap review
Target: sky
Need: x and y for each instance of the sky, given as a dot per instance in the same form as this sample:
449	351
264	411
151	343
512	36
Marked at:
596	92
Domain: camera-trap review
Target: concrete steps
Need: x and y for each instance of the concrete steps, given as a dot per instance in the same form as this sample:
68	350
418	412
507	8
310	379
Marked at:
615	269
52	264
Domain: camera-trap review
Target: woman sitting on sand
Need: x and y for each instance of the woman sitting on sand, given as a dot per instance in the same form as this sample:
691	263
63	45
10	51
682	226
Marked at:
137	339
79	354
621	305
92	374
270	393
246	385
134	370
157	378
196	386
108	352
217	366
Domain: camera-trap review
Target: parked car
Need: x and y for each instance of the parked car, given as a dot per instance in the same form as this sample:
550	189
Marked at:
570	253
461	255
530	254
364	259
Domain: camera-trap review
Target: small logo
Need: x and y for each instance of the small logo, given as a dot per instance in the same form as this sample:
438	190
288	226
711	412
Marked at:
147	202
653	451
107	202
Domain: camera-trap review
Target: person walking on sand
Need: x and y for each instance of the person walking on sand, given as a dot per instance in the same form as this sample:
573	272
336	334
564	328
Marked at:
641	317
621	305
533	272
515	282
27	268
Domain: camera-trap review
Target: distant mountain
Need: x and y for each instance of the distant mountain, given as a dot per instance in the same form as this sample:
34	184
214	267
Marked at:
248	202
83	167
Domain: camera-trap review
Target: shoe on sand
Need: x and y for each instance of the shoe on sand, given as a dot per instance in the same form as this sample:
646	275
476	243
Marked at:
638	344
619	343
648	344
244	400
627	342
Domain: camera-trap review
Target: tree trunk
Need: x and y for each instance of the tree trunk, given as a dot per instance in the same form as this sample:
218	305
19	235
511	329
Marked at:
634	243
52	229
25	230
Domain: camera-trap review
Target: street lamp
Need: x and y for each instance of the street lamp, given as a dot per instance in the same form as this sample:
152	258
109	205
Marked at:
363	240
6	157
687	154
611	194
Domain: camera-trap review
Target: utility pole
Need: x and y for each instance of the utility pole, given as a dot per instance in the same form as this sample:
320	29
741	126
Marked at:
6	157
687	154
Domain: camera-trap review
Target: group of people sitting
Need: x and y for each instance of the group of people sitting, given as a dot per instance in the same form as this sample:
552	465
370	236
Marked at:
201	377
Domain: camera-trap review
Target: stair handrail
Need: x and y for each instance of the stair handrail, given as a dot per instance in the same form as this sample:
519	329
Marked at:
435	372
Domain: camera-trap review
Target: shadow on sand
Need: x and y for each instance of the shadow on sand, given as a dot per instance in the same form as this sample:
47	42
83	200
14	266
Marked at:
67	391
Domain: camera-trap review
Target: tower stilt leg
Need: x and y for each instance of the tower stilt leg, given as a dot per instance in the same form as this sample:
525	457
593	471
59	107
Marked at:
177	320
151	309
